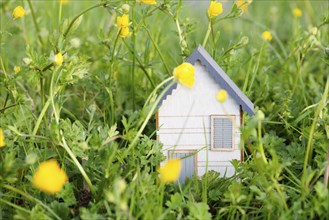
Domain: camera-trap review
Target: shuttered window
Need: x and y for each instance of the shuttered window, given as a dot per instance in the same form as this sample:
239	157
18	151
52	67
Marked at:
221	132
188	163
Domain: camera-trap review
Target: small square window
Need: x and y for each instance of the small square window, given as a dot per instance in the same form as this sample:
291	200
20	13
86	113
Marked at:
222	132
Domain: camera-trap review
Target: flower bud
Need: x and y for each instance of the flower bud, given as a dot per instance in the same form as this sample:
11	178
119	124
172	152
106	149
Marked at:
75	42
260	115
125	8
27	60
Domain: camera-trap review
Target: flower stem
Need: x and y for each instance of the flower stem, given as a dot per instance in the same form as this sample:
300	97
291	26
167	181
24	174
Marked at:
43	112
82	13
326	174
140	63
134	59
260	144
155	105
308	153
51	91
207	34
15	206
159	51
109	88
31	198
60	12
35	22
42	89
181	39
75	160
256	68
276	186
162	187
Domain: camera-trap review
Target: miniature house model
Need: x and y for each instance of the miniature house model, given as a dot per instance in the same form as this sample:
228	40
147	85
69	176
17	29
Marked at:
194	126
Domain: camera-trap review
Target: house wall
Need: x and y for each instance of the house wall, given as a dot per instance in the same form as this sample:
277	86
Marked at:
184	123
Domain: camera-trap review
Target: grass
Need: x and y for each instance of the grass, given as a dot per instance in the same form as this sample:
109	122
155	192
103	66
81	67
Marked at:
95	112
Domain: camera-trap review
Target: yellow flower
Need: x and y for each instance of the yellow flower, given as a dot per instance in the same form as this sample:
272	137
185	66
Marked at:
184	74
266	35
63	1
243	4
297	12
122	21
2	138
221	96
17	69
170	171
58	59
215	9
124	32
148	2
18	12
49	177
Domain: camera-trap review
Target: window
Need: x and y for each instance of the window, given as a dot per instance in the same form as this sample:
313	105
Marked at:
188	163
222	132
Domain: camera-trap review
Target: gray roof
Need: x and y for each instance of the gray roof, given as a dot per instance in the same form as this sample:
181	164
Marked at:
200	54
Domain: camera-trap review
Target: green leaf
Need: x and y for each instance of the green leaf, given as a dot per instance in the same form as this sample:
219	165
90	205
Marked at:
198	211
88	214
175	202
67	195
38	213
61	209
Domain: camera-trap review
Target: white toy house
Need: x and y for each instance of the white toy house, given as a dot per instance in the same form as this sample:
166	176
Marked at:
193	125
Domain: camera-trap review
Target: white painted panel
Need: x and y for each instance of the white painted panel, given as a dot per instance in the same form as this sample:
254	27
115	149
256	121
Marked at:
226	171
218	155
198	100
183	139
183	130
214	163
190	122
183	147
196	121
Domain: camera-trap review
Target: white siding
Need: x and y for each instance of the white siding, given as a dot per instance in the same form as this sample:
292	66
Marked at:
200	100
218	156
184	122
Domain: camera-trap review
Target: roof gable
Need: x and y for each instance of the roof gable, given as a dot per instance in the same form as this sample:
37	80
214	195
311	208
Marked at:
200	54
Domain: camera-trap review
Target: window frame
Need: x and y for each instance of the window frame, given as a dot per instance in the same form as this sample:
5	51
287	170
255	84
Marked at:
212	132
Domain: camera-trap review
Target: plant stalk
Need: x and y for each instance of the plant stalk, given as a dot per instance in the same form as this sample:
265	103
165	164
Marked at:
140	63
159	52
76	162
260	144
155	105
15	206
309	147
326	174
43	112
35	22
80	14
31	198
207	34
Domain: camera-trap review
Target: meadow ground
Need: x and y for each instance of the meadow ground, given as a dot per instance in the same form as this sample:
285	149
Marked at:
79	85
